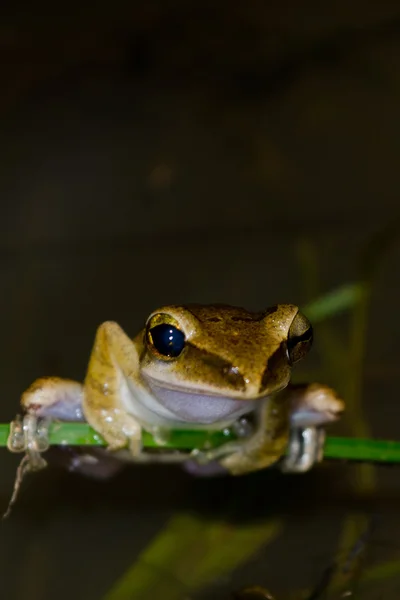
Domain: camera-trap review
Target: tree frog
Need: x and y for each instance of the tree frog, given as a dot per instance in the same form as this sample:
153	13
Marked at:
196	366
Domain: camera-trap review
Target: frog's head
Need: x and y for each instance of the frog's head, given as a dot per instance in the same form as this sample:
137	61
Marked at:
219	357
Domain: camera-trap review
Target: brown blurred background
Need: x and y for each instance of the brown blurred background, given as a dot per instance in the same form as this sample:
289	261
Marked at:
190	152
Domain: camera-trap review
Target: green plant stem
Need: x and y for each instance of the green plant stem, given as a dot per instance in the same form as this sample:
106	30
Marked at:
81	434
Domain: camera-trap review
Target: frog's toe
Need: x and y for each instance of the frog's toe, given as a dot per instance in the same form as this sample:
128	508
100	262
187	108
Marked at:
118	440
135	445
30	434
304	450
119	430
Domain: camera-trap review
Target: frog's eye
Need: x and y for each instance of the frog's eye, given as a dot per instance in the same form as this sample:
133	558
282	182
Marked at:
166	339
300	338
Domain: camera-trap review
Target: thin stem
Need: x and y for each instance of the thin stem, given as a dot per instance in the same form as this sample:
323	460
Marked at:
340	448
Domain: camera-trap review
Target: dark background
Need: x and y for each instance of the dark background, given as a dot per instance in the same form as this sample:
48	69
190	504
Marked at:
158	153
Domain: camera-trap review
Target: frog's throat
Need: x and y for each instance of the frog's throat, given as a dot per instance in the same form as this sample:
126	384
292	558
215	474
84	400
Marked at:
190	407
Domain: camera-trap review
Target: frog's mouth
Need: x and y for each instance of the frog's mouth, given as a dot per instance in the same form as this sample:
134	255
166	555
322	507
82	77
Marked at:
197	407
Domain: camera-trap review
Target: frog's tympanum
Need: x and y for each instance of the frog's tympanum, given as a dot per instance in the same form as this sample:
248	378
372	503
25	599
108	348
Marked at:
192	367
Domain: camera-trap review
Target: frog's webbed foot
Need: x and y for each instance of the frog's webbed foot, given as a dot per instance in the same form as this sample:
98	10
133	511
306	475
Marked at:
205	459
305	449
30	434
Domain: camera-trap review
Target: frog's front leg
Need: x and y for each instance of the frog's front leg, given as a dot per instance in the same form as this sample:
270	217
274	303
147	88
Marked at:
263	448
113	365
291	424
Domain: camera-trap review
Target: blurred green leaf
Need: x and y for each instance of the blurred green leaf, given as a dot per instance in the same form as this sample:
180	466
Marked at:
335	302
190	553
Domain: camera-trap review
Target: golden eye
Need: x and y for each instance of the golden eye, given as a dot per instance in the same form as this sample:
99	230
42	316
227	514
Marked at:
300	338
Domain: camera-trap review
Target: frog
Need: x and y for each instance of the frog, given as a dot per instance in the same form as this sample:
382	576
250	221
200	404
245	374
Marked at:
208	367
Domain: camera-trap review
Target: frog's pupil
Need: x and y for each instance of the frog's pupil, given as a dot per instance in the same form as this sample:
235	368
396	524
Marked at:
167	340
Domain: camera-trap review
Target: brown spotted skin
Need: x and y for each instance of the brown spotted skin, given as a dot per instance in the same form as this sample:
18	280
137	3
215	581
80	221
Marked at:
229	350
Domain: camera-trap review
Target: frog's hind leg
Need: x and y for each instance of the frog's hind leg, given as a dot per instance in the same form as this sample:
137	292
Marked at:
54	398
48	399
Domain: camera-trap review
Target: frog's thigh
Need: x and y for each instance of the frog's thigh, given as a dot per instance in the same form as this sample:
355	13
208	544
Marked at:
54	398
114	360
266	446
